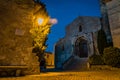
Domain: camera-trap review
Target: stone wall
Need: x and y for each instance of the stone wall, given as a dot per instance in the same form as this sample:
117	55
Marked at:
90	26
114	19
16	19
59	53
83	21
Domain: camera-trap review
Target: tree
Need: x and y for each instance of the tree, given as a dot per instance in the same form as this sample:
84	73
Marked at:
101	41
40	29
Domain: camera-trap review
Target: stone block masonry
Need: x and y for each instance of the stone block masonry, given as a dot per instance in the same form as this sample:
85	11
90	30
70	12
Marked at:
114	19
16	19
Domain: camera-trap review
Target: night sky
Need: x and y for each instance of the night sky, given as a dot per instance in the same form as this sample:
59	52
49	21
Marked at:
65	11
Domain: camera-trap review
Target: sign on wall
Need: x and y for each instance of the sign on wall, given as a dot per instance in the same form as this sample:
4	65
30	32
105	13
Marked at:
19	32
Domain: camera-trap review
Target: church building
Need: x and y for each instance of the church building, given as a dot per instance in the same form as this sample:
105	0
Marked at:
80	40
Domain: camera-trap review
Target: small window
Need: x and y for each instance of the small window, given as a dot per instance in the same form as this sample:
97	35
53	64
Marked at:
63	48
80	28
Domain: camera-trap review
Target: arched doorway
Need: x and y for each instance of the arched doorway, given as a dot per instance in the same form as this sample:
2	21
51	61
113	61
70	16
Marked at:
81	49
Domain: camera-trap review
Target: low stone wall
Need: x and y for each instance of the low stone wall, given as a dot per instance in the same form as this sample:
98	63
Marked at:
102	67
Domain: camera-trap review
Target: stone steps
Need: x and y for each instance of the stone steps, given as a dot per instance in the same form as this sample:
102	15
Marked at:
77	64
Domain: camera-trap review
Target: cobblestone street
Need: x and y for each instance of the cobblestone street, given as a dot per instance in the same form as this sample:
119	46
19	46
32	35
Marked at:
85	75
72	73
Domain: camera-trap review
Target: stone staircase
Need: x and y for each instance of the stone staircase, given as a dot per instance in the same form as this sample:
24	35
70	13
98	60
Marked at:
77	64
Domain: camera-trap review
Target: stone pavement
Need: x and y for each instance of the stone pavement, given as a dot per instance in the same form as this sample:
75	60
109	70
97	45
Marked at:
78	64
76	71
83	75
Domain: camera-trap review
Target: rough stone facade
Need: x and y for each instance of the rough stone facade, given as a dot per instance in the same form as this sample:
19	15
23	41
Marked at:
80	35
16	19
114	20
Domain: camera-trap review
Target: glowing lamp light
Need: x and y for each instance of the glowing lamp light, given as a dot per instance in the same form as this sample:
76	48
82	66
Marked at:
40	21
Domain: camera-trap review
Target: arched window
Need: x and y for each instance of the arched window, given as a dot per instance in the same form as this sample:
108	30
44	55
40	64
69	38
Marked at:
80	28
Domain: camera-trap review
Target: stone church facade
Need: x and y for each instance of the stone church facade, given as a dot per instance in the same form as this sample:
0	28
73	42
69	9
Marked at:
79	41
81	35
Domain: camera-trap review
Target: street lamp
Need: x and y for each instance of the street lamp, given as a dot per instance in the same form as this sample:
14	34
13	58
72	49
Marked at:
40	21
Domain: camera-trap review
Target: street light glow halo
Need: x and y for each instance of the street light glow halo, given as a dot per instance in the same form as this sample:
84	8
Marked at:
40	21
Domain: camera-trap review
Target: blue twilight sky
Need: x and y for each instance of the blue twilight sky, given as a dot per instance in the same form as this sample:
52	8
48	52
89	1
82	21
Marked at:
65	11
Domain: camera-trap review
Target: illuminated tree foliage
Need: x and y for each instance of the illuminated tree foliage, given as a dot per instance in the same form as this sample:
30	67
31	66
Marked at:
40	29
